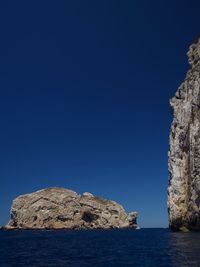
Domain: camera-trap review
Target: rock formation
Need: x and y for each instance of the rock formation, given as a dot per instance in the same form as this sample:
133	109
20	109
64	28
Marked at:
184	152
59	208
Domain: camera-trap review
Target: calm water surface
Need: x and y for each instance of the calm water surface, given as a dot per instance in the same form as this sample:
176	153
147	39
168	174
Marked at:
146	247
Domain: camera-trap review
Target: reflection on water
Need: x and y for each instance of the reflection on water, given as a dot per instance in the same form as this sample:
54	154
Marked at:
185	249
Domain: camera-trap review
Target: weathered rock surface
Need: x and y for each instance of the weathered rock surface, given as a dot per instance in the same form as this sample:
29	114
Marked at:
184	152
59	208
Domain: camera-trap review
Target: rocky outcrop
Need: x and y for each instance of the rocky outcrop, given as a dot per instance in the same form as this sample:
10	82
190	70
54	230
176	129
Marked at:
59	208
184	152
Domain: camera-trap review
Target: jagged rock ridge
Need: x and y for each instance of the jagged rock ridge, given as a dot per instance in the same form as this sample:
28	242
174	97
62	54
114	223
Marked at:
184	152
59	208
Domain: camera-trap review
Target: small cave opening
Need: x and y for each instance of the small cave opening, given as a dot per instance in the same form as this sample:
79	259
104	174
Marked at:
89	217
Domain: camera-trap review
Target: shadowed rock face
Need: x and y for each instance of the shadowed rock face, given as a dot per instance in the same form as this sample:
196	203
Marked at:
59	208
184	152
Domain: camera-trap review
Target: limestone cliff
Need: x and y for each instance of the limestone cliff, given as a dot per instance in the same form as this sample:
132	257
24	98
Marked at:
184	152
59	208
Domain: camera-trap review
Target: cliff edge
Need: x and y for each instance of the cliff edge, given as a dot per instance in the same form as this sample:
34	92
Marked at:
184	151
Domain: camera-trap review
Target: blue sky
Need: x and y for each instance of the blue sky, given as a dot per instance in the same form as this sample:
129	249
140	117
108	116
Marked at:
84	98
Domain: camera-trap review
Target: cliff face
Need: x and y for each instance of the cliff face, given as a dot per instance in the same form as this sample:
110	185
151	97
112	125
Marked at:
59	208
184	152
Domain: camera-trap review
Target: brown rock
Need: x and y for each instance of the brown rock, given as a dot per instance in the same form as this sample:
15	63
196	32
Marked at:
59	208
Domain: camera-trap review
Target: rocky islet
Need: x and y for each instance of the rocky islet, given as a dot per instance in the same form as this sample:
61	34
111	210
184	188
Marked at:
60	208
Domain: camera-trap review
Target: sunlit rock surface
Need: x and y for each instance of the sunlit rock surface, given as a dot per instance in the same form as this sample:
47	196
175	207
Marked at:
184	152
59	208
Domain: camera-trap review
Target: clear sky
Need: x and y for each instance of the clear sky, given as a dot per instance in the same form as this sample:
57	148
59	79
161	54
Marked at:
84	97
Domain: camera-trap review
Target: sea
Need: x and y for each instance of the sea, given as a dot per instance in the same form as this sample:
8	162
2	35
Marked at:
99	248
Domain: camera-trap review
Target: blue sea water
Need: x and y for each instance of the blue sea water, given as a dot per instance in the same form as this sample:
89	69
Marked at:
145	247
